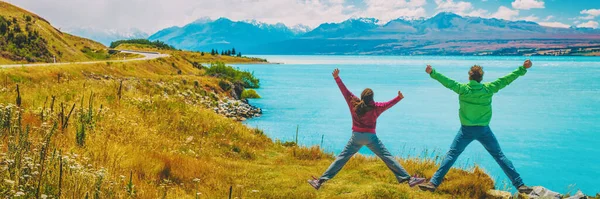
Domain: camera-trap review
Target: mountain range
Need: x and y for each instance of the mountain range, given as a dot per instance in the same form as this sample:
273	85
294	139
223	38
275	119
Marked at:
445	32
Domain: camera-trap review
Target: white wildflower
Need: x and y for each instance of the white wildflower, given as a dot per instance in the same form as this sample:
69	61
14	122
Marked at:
11	182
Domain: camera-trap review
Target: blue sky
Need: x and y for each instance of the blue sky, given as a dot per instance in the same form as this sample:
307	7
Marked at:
152	15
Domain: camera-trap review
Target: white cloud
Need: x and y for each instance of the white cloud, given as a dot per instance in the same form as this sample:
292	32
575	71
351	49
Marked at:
477	13
593	12
589	24
386	10
588	17
549	17
505	13
460	7
554	24
153	15
527	4
589	14
530	18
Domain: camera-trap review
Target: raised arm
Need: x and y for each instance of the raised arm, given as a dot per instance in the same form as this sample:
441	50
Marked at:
502	82
345	92
447	82
383	106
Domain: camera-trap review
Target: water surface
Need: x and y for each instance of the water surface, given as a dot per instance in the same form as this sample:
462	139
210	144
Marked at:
546	121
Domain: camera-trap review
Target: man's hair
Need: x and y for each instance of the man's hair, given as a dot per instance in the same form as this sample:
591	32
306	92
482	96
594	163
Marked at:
476	73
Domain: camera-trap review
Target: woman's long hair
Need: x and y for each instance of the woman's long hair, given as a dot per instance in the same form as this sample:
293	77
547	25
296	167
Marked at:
365	103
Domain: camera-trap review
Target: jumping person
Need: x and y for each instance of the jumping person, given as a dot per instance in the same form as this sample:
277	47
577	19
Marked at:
364	119
475	114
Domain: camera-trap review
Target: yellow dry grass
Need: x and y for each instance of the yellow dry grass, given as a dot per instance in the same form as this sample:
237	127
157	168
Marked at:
175	148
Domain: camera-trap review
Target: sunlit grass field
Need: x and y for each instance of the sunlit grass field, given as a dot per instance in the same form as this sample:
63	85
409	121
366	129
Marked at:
137	129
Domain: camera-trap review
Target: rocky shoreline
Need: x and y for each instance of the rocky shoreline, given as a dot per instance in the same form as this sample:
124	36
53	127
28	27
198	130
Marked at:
237	109
231	107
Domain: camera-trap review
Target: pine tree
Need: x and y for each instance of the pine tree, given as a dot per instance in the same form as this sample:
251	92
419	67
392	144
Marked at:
239	54
228	53
233	51
222	52
202	53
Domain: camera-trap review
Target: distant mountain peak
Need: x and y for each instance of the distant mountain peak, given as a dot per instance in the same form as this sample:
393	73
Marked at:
449	14
445	16
223	19
202	20
300	29
363	20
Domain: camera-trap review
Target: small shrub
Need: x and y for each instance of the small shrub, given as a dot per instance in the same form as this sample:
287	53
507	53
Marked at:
232	74
226	86
288	144
250	94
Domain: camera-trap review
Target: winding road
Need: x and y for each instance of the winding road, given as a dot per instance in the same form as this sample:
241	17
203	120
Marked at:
147	56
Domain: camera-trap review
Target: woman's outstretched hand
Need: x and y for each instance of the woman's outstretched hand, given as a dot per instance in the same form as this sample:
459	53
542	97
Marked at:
400	95
336	73
428	69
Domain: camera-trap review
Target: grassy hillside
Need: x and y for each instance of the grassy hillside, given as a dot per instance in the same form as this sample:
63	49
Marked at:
149	130
26	37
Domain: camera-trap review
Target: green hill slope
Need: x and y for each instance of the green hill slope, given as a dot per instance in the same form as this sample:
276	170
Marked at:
26	37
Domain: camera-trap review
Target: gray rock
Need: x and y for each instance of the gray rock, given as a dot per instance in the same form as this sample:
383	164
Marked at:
542	192
578	195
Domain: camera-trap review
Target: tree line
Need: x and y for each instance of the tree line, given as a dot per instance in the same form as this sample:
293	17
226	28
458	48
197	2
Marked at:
231	52
157	44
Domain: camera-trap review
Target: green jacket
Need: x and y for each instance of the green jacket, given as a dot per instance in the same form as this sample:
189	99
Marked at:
476	98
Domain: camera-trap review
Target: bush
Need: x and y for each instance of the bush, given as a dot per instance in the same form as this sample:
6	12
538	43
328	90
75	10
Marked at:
226	86
95	54
234	75
250	94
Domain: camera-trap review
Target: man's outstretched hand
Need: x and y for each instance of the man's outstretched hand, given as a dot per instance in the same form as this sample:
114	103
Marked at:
336	73
400	95
527	64
428	69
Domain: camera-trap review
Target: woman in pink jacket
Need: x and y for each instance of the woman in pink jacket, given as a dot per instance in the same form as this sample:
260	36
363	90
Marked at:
365	112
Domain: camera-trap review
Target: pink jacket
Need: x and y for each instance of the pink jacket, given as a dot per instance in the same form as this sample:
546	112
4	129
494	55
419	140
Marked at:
368	121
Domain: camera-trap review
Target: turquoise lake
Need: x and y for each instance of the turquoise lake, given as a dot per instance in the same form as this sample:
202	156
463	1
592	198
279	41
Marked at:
547	122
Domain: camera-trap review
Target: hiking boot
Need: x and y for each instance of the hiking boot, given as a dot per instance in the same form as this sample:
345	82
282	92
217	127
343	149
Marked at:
315	183
525	189
427	187
415	180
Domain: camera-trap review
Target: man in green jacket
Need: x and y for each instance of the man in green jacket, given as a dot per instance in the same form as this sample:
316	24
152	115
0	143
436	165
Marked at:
475	114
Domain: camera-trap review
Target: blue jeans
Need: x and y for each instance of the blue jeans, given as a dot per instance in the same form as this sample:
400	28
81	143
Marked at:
484	135
356	142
